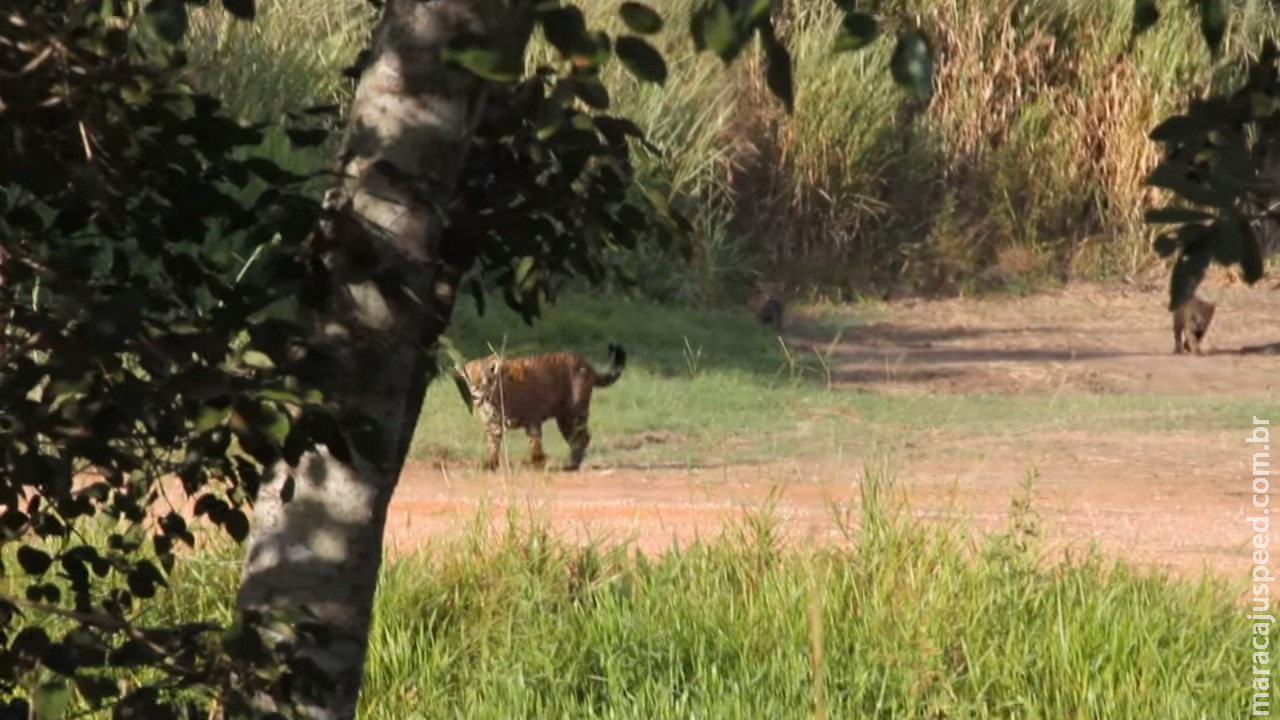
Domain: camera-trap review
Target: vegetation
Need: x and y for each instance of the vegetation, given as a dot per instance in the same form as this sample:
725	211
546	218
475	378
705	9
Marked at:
1026	167
710	386
891	619
901	621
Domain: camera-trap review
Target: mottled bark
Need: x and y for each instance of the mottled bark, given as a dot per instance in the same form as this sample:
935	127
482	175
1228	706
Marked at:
317	549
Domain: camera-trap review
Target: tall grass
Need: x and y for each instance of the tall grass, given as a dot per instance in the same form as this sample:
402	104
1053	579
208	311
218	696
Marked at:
889	619
1025	168
892	620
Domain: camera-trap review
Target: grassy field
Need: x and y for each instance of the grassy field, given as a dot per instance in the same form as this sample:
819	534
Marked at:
709	385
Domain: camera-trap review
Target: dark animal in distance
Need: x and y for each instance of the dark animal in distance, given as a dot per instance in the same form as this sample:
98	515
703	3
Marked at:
768	304
1190	324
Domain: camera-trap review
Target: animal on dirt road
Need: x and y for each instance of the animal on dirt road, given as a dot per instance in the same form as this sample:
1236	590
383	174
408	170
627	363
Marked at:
525	392
1190	323
768	304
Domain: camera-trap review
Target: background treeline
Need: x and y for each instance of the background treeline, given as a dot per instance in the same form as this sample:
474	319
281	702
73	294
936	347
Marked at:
1025	169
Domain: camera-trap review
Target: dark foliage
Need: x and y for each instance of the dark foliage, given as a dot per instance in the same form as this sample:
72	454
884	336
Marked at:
1220	161
138	363
152	346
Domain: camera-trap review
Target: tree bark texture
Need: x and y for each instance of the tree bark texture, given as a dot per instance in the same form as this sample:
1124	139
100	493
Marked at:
316	544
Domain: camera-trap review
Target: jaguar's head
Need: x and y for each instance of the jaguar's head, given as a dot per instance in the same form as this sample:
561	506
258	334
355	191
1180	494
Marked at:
482	376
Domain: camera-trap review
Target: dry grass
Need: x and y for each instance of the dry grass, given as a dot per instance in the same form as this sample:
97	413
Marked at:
1029	159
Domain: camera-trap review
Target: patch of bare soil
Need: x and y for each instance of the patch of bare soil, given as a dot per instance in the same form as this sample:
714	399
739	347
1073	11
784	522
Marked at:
1086	339
1173	501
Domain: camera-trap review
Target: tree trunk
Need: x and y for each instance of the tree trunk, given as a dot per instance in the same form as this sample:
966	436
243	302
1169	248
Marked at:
316	545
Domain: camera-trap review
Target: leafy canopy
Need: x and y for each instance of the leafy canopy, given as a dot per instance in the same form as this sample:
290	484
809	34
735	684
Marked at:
1219	163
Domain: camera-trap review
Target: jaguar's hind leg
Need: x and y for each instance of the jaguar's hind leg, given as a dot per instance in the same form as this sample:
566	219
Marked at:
575	432
537	457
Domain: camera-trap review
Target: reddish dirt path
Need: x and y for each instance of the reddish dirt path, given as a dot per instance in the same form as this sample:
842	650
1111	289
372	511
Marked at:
1174	501
1181	519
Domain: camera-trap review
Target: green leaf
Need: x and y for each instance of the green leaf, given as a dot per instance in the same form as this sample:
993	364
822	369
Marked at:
641	60
144	578
271	172
259	420
1189	270
133	538
451	351
1165	245
1171	177
777	67
523	269
52	699
1178	128
912	64
459	362
302	138
64	387
713	27
97	690
1171	215
1145	14
617	130
1213	23
463	389
640	18
1227	240
257	359
601	51
209	417
858	30
589	90
61	659
477	295
1251	265
285	396
33	561
241	9
758	10
169	18
566	30
477	55
275	423
236	523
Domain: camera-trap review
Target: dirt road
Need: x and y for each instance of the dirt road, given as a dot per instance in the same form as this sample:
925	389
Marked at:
1174	500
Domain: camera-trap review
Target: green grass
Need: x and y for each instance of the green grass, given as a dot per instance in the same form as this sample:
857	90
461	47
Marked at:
703	386
912	623
893	620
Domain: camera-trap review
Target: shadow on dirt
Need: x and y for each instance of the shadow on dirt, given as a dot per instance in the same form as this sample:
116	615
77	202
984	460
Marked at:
678	466
880	333
887	374
885	353
1268	349
972	370
964	356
